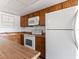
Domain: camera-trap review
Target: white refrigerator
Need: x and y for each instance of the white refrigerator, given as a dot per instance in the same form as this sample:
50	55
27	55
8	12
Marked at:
61	40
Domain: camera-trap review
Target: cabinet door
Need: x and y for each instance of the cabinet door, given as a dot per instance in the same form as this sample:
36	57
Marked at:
15	38
40	46
24	21
42	17
60	44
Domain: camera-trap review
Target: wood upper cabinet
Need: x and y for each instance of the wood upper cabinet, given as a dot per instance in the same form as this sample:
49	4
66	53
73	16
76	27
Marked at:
37	13
42	17
40	46
31	15
70	3
54	8
41	13
24	21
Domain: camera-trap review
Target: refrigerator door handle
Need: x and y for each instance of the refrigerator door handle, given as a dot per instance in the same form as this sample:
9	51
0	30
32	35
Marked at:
73	24
74	39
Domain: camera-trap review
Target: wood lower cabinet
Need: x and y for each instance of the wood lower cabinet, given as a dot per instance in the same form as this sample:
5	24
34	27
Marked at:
40	46
13	37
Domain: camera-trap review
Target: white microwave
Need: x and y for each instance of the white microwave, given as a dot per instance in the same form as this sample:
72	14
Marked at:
34	21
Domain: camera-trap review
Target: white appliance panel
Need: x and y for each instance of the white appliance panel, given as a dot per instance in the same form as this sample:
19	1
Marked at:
31	39
60	44
33	21
77	37
62	19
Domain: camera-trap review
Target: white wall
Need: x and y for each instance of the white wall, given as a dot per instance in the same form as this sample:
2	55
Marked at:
15	28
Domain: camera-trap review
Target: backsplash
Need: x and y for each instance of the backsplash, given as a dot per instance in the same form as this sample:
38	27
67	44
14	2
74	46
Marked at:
37	29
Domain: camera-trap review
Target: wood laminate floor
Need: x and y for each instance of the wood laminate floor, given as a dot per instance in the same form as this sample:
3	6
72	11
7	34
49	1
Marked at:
12	50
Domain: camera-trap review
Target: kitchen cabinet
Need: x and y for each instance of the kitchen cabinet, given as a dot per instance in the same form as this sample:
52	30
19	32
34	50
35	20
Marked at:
42	18
40	45
37	13
33	14
30	15
41	14
54	8
24	21
70	3
16	37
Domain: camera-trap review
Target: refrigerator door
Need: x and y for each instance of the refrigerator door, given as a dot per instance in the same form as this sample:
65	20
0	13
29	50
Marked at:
77	37
60	44
62	19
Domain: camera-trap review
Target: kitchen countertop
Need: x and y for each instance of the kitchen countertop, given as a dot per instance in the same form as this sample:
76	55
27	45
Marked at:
12	33
22	33
30	33
12	50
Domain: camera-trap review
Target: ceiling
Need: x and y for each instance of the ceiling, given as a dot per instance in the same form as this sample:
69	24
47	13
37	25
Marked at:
22	7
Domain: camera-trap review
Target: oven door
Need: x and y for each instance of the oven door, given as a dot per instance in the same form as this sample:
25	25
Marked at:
29	41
